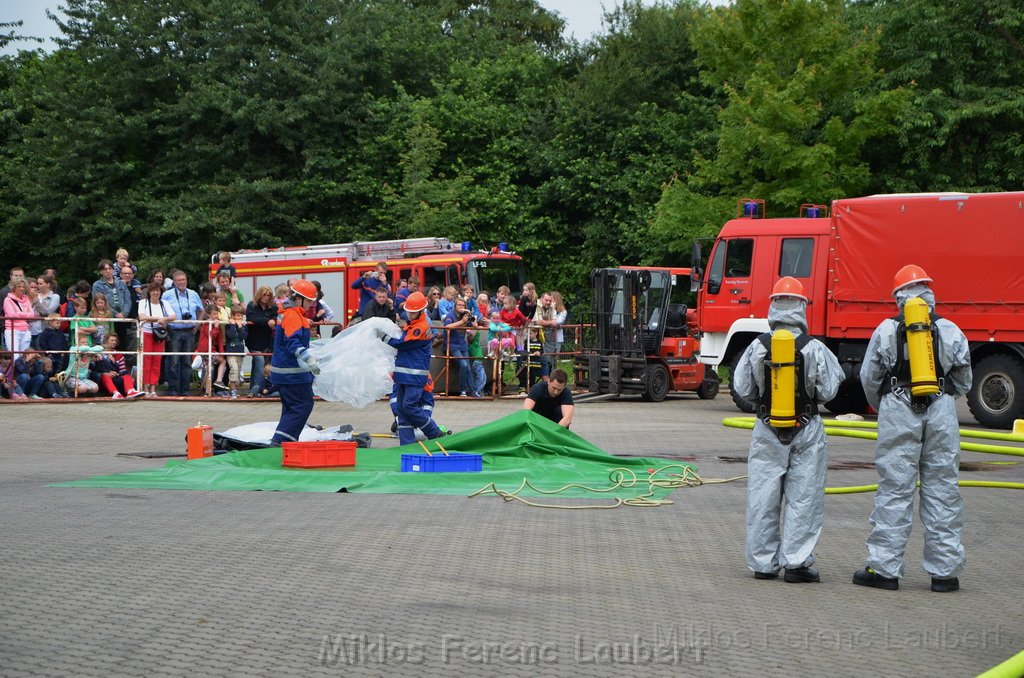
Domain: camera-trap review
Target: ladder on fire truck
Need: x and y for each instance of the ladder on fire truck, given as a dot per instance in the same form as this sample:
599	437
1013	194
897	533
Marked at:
377	250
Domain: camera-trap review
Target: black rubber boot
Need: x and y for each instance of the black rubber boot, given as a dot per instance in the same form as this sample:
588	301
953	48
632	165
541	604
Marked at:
945	585
868	577
802	575
766	575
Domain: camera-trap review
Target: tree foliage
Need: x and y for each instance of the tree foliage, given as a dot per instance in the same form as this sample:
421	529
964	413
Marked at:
176	128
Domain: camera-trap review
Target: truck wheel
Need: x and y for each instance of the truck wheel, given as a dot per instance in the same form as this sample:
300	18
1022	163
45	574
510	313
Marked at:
708	388
657	379
849	399
996	397
742	403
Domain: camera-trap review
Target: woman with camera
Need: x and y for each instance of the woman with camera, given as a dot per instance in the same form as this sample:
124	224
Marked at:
456	325
154	313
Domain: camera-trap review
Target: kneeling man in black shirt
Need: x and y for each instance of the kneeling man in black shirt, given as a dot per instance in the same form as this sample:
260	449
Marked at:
552	399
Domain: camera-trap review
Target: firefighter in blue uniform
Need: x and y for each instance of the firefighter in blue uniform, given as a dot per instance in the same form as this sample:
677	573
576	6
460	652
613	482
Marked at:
292	368
412	374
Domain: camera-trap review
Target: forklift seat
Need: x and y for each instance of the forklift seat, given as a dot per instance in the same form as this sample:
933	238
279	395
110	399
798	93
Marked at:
675	321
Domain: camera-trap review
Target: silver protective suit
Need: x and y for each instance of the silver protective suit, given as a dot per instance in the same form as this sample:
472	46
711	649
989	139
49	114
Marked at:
914	445
790	475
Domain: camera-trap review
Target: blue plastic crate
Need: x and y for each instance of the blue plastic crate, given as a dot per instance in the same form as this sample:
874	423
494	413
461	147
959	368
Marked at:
455	462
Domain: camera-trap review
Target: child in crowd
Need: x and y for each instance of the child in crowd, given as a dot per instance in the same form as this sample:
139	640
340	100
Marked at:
77	373
112	373
8	385
528	365
499	337
514	318
235	333
211	338
79	326
101	309
53	342
281	294
268	390
30	374
226	267
121	257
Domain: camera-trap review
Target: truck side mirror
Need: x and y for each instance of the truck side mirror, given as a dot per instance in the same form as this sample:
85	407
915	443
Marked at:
695	270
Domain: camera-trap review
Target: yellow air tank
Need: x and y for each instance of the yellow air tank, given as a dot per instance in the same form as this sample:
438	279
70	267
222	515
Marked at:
923	381
783	413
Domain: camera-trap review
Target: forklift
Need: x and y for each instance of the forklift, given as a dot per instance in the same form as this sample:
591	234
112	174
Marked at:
636	342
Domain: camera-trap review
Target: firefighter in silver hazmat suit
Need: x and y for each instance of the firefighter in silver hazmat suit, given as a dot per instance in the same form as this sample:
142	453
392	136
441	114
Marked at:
913	444
792	473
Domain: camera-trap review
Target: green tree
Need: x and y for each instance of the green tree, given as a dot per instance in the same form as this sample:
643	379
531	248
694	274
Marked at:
802	101
964	65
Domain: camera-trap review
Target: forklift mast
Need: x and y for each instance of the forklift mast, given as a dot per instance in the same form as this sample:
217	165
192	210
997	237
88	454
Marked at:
630	307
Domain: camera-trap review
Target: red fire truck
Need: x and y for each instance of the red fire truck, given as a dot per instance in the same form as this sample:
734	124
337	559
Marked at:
435	261
970	244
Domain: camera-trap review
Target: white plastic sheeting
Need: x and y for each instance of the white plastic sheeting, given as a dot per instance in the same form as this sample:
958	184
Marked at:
260	433
356	365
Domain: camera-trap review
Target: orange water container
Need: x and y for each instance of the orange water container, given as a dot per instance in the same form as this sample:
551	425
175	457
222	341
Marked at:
200	441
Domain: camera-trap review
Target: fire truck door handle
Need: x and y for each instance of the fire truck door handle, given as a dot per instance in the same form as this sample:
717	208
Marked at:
735	291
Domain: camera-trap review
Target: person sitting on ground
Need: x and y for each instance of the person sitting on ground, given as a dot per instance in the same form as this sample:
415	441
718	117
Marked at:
111	372
267	388
552	399
30	374
234	348
77	373
9	388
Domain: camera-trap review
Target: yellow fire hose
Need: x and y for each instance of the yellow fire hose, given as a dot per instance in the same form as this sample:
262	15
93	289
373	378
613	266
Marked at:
1011	668
849	429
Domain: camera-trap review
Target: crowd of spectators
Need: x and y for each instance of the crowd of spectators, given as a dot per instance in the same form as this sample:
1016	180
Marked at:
82	340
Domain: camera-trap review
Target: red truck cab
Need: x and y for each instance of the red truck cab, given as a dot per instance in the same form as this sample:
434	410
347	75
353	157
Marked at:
969	244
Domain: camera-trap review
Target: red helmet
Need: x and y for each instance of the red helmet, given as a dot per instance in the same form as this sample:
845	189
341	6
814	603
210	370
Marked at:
304	288
908	275
788	287
415	302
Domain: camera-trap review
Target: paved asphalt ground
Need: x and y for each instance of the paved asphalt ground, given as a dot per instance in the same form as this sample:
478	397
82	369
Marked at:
147	582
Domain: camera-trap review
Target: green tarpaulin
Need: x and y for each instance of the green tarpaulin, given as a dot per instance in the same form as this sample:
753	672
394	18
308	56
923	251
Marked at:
521	445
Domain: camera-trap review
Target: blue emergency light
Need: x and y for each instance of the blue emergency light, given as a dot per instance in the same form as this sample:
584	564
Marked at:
813	212
750	209
503	247
467	246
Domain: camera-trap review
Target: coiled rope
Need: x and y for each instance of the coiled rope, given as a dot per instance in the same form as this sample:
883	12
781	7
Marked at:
620	478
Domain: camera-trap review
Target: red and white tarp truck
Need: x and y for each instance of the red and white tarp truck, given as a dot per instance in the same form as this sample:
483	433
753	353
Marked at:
972	245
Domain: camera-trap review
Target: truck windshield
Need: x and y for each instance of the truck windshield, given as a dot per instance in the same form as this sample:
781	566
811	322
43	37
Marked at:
490	274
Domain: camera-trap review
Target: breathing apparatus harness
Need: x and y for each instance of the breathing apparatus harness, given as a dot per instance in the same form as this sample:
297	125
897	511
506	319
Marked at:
900	380
804	407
